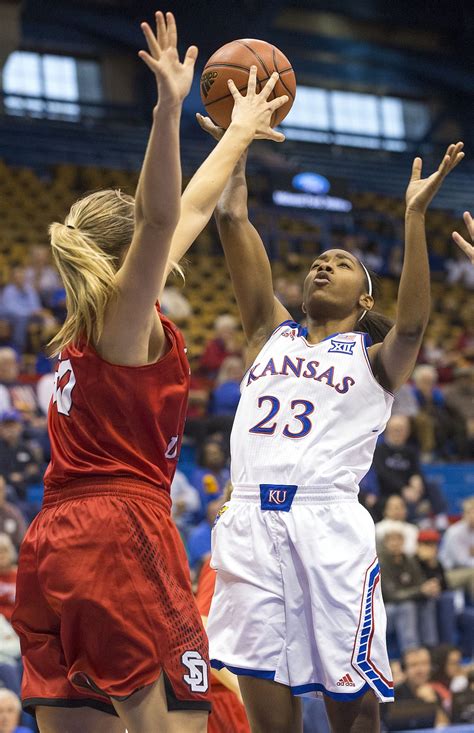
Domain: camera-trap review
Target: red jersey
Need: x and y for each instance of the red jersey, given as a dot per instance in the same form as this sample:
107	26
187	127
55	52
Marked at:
108	421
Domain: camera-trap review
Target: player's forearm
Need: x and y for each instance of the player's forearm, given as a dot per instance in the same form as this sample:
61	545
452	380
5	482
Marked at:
233	201
414	301
207	185
203	191
157	200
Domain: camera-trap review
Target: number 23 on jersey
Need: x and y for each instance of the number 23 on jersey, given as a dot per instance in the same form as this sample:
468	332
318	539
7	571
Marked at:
299	424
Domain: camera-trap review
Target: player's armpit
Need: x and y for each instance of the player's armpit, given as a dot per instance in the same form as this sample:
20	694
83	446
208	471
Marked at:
394	359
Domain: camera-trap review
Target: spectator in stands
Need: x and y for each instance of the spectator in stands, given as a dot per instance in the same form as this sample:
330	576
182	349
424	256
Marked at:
226	394
22	396
457	550
463	702
409	599
416	664
405	402
395	518
8	572
10	713
175	305
459	395
398	471
447	676
440	429
18	464
12	522
427	555
40	273
186	502
21	304
199	538
225	343
211	473
431	567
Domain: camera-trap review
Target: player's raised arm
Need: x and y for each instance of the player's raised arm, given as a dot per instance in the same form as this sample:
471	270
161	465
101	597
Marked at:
467	248
157	199
394	359
246	256
250	118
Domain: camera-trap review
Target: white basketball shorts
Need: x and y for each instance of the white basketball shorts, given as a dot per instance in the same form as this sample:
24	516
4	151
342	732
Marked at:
298	597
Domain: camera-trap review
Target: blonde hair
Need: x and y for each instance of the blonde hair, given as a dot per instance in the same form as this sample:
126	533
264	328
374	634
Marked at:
88	250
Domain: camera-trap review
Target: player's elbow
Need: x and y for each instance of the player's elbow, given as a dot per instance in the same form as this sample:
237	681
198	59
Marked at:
412	331
163	223
231	215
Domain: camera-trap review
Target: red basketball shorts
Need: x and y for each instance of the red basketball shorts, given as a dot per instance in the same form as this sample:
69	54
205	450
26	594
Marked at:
104	601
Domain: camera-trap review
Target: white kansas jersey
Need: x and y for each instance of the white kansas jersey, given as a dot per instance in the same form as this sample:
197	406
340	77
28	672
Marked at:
309	414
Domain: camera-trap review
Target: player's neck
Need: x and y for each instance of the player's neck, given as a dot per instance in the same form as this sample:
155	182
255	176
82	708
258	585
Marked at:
319	330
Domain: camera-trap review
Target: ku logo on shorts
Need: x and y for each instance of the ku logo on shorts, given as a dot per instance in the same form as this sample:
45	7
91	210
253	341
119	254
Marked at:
197	679
277	497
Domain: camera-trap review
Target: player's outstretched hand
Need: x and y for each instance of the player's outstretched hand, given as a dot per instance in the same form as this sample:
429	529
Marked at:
255	111
467	248
173	78
421	191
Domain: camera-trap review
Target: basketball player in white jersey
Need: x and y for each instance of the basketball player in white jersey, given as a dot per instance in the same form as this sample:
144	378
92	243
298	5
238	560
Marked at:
298	607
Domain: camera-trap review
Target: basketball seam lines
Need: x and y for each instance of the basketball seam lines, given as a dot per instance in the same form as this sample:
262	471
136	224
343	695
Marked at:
275	64
231	66
257	56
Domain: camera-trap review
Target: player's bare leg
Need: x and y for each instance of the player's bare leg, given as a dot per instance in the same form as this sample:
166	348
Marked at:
77	720
271	706
358	716
146	711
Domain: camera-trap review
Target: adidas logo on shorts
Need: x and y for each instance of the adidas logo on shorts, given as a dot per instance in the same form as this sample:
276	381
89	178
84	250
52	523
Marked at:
345	681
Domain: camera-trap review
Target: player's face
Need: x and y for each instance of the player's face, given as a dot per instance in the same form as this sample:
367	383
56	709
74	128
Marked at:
334	285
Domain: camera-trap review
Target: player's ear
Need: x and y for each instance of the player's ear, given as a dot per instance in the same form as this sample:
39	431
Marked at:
303	308
366	302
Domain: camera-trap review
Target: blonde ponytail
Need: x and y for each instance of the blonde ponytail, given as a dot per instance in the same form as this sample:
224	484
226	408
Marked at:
88	249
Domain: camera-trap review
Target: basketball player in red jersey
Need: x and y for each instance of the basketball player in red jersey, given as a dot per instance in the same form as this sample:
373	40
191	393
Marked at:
105	612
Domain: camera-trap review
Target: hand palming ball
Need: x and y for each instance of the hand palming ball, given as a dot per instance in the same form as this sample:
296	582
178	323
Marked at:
233	61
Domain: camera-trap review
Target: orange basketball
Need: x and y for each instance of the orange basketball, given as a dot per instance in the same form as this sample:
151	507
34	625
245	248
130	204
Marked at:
233	61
